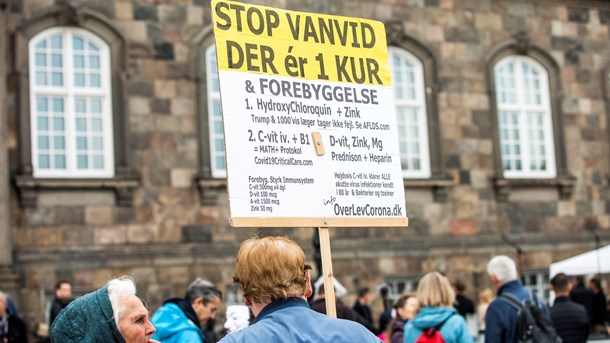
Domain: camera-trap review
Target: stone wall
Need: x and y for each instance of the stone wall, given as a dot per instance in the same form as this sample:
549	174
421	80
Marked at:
166	237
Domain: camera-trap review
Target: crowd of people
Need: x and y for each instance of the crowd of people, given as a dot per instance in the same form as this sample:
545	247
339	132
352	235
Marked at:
276	285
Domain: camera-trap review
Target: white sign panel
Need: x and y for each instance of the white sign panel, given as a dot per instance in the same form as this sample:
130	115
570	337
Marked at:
285	93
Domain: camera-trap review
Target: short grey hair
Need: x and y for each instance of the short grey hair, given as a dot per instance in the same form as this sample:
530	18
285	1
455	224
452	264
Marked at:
118	289
202	288
503	268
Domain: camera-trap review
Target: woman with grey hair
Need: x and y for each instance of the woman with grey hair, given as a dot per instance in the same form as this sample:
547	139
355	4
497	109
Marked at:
112	314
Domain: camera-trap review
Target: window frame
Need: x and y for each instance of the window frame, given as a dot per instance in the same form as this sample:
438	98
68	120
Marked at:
419	104
69	93
522	109
125	180
212	97
520	45
439	181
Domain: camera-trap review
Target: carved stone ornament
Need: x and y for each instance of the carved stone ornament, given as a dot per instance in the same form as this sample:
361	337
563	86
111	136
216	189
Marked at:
522	42
70	12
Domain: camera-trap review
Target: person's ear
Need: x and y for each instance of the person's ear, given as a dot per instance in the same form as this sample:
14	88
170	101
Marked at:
308	289
247	301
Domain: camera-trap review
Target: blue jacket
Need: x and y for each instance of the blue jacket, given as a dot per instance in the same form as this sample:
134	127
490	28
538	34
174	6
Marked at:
501	317
291	320
174	325
454	330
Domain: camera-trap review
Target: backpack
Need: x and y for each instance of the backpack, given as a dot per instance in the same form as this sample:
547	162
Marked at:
533	325
433	335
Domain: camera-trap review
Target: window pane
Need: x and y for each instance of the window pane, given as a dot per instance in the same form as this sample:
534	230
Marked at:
79	80
97	143
57	79
42	123
94	62
92	48
96	125
218	127
95	80
42	45
81	143
56	42
59	143
79	61
96	106
42	104
43	161
41	78
81	124
80	105
98	162
43	142
58	105
220	162
60	162
56	61
77	43
41	60
81	162
58	124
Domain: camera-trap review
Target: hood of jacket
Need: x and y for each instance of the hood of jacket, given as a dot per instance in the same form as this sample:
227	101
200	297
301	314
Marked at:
174	316
88	319
429	317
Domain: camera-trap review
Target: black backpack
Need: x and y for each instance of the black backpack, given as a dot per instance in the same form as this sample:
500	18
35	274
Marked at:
533	325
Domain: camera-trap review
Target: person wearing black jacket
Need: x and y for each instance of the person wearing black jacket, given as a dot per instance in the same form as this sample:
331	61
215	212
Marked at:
570	319
63	296
343	312
12	328
600	311
582	295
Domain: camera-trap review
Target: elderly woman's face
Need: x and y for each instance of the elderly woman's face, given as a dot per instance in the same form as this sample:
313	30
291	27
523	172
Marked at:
134	323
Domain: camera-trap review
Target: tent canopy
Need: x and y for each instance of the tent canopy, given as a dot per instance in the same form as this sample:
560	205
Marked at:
591	262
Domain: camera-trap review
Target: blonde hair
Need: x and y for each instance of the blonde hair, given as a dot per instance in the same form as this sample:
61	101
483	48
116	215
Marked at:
435	290
486	295
118	289
271	268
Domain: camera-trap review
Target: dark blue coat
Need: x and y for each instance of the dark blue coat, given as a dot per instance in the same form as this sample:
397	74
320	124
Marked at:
501	317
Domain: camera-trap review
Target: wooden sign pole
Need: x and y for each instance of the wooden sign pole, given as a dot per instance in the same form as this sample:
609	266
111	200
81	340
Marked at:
327	271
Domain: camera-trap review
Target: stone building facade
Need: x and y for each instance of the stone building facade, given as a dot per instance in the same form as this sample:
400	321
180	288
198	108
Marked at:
161	212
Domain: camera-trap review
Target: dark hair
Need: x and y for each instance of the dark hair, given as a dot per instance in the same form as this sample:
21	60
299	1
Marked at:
560	282
60	283
596	282
459	286
202	288
400	303
363	291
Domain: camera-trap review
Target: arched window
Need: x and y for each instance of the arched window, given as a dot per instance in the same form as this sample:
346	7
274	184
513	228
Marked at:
524	118
70	65
70	104
411	113
217	147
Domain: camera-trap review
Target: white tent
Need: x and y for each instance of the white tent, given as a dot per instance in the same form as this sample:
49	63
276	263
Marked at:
591	262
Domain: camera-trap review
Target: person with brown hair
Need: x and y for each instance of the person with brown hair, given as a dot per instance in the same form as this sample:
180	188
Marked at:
406	308
276	282
436	298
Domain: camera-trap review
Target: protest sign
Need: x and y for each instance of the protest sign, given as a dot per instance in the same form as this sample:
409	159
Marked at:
308	115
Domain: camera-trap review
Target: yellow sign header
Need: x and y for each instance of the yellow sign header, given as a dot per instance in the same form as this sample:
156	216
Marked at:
311	46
